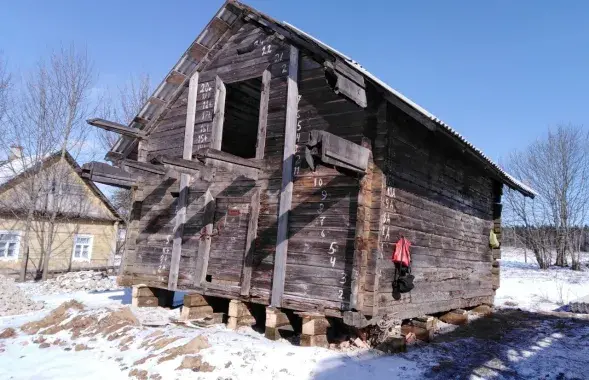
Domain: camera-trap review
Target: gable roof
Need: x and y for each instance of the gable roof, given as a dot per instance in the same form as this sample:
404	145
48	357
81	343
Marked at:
15	171
226	17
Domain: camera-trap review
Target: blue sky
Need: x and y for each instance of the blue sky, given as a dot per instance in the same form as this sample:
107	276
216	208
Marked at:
500	72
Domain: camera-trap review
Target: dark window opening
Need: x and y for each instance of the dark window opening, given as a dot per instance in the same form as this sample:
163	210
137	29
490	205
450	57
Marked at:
242	112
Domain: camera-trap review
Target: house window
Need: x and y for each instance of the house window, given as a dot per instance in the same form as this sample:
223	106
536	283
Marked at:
9	245
82	247
241	119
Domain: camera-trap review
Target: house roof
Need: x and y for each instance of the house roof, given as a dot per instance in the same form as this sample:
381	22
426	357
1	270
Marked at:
13	171
167	91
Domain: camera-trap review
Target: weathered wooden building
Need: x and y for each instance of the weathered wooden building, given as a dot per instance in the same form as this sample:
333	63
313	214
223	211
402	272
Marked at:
270	168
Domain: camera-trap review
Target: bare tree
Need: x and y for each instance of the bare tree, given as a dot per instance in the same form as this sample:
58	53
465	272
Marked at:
557	167
72	79
123	106
49	122
5	88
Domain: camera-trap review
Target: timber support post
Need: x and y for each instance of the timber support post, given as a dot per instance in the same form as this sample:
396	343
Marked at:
239	315
275	321
314	330
455	317
423	328
195	306
145	296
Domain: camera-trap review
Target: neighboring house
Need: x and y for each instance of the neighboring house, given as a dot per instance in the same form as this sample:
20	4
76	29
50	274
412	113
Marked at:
84	231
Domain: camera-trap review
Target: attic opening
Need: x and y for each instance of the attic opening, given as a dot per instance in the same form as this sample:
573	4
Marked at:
242	114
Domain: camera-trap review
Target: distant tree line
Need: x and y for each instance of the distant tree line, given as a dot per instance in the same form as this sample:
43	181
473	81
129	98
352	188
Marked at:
553	225
515	236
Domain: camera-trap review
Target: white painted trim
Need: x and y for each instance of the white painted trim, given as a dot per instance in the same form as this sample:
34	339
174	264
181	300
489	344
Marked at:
15	257
90	246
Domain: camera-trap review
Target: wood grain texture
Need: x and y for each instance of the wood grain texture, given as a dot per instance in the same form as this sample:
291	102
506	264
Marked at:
287	178
184	182
252	231
262	124
264	227
219	114
204	245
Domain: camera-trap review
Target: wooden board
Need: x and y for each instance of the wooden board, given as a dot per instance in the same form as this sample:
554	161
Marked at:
287	179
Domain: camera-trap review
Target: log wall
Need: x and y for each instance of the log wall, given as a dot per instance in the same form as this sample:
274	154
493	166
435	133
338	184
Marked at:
443	203
342	227
245	55
322	222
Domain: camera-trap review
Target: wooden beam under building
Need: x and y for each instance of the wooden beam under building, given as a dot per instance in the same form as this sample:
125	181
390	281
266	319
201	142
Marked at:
116	127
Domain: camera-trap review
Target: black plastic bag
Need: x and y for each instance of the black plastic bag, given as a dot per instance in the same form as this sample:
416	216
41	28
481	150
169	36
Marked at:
405	283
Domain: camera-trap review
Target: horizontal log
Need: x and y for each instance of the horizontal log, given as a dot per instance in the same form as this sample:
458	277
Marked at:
214	154
116	127
109	175
144	166
181	163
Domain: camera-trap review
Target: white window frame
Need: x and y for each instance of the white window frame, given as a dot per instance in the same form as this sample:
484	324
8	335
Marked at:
15	257
90	245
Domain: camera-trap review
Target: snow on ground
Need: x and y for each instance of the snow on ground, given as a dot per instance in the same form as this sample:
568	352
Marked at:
525	286
242	354
98	344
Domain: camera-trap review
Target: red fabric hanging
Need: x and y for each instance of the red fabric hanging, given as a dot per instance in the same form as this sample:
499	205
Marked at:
401	255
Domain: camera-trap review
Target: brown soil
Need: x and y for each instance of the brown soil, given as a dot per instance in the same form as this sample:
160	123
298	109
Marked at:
162	342
120	334
151	338
114	325
59	342
192	347
76	324
8	333
143	360
195	364
124	343
154	334
81	347
140	374
54	318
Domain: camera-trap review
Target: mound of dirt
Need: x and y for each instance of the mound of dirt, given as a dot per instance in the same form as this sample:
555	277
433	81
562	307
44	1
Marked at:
192	347
89	281
55	318
71	316
13	300
196	364
7	333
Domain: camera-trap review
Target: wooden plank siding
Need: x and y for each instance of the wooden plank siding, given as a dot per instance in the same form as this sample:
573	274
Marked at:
157	208
337	228
442	203
323	219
